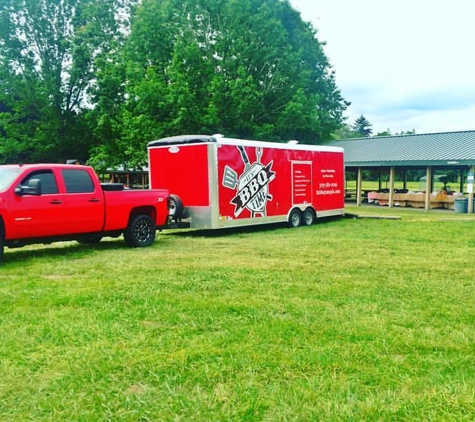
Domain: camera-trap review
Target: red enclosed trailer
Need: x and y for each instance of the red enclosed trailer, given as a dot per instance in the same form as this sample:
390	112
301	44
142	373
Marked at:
219	182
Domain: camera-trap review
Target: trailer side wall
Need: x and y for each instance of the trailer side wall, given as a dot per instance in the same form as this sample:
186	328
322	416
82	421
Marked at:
231	182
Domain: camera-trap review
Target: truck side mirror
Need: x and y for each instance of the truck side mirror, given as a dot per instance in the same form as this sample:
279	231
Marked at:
33	188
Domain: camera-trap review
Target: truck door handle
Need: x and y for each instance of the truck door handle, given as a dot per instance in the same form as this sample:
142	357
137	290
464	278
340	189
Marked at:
56	202
94	200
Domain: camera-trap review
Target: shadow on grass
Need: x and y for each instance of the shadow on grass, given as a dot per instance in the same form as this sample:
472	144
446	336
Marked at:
73	250
229	231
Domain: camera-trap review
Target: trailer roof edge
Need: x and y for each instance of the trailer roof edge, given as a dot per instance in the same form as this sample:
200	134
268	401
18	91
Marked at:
181	139
219	139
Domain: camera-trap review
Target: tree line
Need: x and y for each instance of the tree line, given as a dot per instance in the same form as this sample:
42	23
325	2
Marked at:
96	80
362	128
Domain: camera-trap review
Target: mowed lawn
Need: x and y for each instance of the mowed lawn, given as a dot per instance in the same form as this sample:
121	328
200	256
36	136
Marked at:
348	320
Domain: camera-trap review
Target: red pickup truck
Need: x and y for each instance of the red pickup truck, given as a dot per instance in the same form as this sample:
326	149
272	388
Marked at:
43	203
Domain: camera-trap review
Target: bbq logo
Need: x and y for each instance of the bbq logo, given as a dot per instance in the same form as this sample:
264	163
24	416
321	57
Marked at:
252	186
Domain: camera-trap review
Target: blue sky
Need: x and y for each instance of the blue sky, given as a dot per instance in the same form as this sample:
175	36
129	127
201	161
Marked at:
403	64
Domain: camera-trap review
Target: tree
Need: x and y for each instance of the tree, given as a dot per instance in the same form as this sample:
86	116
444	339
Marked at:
363	126
345	132
407	132
244	68
386	132
48	50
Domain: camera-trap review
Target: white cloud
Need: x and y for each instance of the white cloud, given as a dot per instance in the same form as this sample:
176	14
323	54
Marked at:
403	64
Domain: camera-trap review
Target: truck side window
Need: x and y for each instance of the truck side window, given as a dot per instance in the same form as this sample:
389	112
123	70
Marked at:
77	181
48	181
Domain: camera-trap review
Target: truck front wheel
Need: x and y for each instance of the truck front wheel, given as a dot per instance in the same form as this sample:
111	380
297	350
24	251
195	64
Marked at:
140	232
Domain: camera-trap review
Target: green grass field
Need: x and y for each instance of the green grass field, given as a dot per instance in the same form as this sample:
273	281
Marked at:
347	320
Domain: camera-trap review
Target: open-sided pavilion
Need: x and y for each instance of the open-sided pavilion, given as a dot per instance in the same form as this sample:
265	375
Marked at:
392	156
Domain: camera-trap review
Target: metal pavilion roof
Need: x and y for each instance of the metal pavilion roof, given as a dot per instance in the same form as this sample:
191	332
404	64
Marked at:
431	149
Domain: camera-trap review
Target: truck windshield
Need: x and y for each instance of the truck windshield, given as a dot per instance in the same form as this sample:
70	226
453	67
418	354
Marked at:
7	176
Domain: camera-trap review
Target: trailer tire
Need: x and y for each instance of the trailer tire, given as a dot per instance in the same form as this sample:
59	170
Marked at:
140	232
175	207
295	218
309	217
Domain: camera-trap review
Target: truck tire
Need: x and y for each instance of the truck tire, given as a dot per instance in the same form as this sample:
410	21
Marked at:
295	218
309	217
175	207
140	232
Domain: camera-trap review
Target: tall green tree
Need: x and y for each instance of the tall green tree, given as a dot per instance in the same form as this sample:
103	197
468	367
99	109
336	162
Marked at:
48	50
363	126
244	68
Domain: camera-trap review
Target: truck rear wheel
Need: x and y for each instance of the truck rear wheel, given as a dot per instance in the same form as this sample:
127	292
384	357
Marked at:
309	216
295	218
140	232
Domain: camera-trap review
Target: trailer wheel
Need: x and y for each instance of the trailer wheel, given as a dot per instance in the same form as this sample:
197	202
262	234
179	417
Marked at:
140	232
175	207
309	217
295	218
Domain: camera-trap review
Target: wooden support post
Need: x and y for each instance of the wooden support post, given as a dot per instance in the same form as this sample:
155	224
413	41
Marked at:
392	173
359	184
470	192
428	187
462	175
